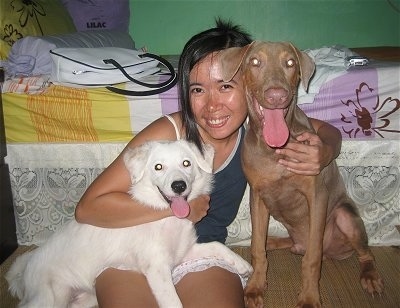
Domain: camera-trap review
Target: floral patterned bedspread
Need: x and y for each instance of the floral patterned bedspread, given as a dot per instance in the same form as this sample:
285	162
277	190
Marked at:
363	102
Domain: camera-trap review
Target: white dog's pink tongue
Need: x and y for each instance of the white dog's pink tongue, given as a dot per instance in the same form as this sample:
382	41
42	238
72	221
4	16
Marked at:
275	130
180	207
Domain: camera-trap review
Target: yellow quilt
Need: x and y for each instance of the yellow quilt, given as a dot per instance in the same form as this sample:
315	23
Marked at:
65	114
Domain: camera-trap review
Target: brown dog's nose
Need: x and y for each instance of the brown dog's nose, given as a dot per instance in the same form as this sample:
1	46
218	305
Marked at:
276	96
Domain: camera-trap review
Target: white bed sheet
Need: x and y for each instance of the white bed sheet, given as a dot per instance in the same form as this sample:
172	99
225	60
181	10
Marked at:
48	179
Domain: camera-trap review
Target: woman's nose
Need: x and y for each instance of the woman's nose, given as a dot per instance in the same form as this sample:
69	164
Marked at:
213	103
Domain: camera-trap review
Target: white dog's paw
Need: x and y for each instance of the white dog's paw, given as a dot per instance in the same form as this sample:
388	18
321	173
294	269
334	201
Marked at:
220	251
168	300
83	299
241	265
246	268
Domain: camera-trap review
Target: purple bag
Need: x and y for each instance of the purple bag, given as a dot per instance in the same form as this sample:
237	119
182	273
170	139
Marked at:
99	14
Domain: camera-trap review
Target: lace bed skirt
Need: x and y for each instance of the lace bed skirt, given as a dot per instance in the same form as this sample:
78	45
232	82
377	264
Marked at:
48	180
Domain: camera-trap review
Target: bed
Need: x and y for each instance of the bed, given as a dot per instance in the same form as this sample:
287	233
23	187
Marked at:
60	138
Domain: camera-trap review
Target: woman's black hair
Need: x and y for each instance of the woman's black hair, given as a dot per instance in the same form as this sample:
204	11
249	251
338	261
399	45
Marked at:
224	35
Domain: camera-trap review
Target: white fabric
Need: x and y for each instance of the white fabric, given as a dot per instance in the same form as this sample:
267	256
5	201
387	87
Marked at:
48	180
30	55
199	265
171	119
330	63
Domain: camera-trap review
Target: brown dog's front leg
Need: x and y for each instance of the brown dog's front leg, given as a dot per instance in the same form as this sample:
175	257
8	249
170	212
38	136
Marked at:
254	291
317	198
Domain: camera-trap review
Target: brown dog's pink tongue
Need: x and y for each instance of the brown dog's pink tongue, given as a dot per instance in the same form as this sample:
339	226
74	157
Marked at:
275	130
180	207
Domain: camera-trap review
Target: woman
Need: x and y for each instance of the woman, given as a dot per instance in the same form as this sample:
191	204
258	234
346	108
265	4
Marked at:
213	112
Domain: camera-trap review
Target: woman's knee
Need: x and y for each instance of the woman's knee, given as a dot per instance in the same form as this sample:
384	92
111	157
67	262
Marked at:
214	287
119	288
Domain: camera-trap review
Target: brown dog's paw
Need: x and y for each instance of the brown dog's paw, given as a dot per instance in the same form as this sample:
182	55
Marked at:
254	297
306	305
308	302
303	304
254	302
370	279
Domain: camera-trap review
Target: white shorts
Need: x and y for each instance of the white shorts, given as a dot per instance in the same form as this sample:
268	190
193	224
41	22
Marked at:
198	265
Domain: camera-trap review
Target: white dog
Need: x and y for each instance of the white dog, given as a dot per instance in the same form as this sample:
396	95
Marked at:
61	273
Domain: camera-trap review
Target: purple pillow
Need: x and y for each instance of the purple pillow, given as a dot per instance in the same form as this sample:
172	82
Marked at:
99	14
30	55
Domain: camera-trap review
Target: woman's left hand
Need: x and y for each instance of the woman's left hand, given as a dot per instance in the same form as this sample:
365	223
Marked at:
308	156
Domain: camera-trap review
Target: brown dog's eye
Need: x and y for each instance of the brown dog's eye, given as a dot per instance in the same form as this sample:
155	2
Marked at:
255	62
186	163
290	63
158	167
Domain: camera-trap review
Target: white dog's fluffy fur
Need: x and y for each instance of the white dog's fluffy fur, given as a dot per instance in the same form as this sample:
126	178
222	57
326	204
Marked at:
61	273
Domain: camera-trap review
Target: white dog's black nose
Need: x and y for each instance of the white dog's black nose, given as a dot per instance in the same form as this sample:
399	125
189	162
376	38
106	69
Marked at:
178	186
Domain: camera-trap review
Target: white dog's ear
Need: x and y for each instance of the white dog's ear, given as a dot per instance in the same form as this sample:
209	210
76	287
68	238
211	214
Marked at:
135	161
205	160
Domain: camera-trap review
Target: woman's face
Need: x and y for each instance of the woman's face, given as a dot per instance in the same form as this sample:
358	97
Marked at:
219	107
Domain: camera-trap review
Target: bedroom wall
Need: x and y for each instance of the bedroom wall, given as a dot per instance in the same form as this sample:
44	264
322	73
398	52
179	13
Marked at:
165	25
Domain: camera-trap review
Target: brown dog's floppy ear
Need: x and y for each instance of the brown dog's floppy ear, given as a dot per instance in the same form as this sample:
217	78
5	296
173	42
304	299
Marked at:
231	59
307	66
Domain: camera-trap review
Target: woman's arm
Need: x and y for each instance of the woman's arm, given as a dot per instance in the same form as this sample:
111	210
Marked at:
106	202
314	151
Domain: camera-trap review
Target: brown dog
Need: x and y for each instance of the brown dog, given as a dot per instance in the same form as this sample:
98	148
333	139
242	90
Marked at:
322	221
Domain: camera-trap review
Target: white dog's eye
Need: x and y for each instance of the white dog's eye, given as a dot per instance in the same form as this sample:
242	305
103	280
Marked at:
290	63
255	62
186	163
158	167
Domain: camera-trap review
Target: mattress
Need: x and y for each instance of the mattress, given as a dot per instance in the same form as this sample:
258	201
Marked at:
38	112
60	138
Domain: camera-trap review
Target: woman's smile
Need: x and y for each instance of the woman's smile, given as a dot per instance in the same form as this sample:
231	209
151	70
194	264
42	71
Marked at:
217	122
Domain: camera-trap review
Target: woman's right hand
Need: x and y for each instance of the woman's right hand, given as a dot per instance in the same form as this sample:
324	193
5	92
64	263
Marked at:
199	208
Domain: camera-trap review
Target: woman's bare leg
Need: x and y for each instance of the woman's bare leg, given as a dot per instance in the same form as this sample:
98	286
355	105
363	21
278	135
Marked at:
122	289
214	287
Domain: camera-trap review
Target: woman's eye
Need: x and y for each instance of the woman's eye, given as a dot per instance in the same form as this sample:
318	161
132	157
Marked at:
158	167
227	86
196	90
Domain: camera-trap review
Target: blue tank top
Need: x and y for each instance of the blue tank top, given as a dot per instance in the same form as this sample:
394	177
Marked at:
229	186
